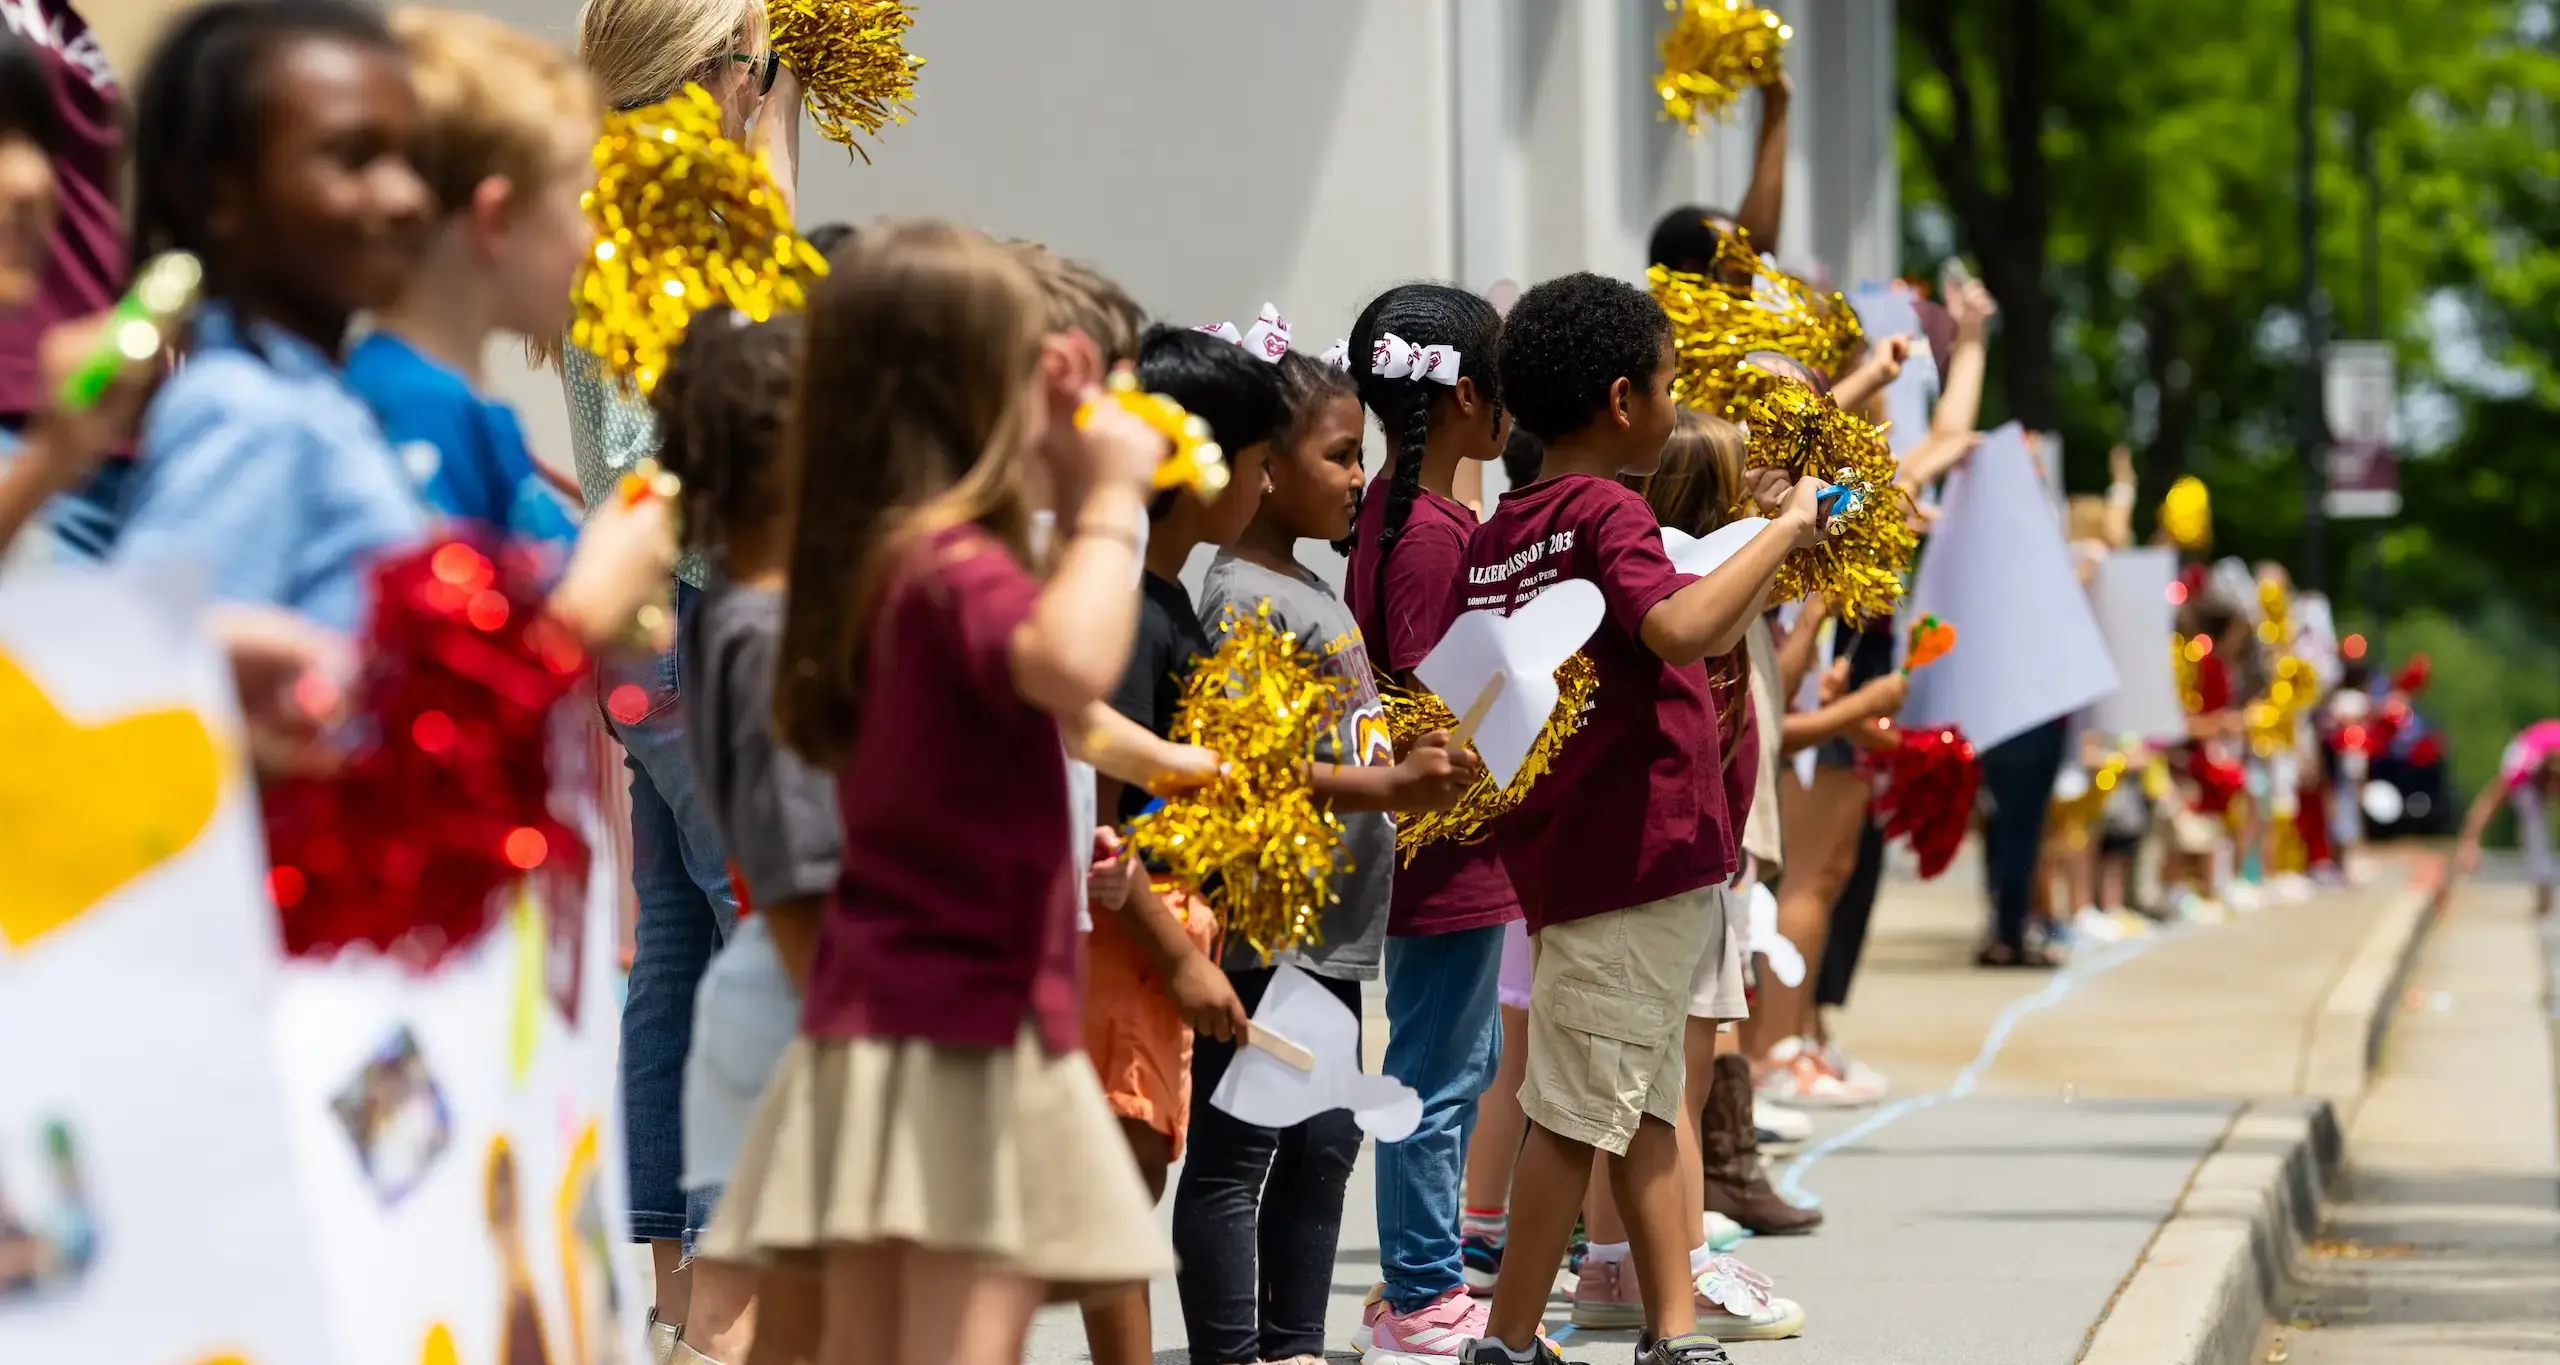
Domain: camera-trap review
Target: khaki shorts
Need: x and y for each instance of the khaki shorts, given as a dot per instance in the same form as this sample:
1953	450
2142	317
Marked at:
1608	1003
1716	989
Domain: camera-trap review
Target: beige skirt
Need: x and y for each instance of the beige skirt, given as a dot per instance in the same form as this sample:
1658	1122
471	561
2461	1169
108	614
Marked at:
1010	1155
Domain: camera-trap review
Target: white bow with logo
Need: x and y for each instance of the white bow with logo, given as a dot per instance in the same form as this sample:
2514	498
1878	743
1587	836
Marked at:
1393	357
1269	338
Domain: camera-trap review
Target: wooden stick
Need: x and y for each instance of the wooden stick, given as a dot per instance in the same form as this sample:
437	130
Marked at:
1259	1037
1478	709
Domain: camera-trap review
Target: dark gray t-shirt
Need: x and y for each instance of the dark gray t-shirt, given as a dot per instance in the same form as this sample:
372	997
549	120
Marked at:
1355	925
776	814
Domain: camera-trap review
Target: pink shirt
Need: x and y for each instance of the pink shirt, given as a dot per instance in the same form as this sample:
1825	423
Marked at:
954	919
1448	886
1635	809
2526	752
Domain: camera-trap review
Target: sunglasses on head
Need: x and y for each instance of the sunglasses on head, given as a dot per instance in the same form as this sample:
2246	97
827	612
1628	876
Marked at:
766	68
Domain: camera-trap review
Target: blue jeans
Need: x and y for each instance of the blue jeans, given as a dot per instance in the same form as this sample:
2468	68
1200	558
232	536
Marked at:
1444	1038
682	880
83	521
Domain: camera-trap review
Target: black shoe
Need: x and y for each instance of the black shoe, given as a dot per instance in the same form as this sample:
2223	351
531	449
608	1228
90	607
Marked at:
1487	1351
1693	1349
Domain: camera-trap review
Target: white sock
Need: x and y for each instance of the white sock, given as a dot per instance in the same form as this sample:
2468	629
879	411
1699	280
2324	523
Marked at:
1516	1353
1699	1256
1605	1252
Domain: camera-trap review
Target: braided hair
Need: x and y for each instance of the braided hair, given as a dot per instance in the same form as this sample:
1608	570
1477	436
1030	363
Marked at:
1424	315
201	109
722	408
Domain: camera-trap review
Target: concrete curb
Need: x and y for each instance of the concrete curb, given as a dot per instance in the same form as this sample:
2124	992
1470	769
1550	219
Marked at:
2203	1289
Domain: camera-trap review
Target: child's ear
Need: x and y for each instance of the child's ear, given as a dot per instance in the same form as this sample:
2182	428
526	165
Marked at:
1070	363
1622	401
492	208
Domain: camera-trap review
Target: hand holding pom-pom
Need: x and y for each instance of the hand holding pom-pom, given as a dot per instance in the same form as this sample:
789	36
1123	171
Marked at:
1714	51
851	58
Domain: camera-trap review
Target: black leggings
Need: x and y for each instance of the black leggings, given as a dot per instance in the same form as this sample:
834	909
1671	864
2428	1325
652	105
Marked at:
1254	1287
2018	775
1850	914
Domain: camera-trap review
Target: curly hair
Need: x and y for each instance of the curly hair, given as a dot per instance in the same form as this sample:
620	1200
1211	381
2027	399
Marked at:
722	408
1568	340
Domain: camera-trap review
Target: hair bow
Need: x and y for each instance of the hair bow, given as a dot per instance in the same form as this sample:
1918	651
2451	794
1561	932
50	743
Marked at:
1338	355
1268	340
1393	357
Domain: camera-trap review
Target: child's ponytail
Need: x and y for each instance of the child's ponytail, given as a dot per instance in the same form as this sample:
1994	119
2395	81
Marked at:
1412	345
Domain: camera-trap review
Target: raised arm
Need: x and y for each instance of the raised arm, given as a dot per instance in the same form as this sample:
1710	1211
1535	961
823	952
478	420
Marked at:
1709	616
1764	204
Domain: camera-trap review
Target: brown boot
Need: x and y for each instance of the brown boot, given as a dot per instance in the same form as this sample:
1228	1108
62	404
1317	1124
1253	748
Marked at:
1737	1186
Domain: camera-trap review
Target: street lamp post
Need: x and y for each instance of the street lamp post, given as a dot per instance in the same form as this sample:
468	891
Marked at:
2311	429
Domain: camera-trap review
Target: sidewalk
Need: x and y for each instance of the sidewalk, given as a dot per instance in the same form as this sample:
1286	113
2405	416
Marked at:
2044	1125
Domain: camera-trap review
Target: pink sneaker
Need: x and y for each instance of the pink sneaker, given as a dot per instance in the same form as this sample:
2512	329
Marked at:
1605	1297
1437	1333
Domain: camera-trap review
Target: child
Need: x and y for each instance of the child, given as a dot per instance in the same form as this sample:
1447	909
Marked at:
1239	1306
1619	853
260	466
1444	953
721	407
639	53
933	1138
2528	774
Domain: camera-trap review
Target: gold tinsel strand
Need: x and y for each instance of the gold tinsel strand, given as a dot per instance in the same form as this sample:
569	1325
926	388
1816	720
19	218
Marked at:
685	219
1858	565
1413	714
1717	320
1715	50
851	58
1257	834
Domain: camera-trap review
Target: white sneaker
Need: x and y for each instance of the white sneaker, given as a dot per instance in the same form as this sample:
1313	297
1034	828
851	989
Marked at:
2244	896
1861	1078
1734	1303
1798	1076
1778	1122
2292	886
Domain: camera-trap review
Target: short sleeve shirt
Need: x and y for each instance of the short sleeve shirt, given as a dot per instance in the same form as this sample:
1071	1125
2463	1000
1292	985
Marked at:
1402	613
465	454
1170	641
776	814
1352	930
2526	752
84	265
953	920
1633	811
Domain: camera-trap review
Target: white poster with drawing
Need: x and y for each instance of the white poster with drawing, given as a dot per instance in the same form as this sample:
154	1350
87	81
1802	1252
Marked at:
147	1198
2131	596
1997	570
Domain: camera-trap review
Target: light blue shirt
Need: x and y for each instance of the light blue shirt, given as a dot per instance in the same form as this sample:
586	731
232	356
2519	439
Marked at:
261	470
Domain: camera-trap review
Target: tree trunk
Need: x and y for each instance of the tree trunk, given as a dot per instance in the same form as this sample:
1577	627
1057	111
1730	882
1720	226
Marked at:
2172	375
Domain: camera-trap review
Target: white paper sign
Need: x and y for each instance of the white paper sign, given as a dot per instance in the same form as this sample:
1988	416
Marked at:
1785	962
1997	570
2131	597
147	1200
1704	555
1268	1092
1883	311
1523	649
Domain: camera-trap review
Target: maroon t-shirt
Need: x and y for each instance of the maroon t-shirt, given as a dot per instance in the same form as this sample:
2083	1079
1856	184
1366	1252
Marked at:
1447	886
85	268
954	919
1635	810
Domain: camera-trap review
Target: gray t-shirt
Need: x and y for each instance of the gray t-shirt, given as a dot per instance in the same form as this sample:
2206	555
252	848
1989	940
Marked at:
1355	925
776	814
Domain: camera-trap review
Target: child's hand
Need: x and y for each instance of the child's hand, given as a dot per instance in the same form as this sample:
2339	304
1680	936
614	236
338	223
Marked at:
1885	695
1183	767
1973	308
1207	1001
1432	775
1835	681
70	444
1767	488
626	554
1803	510
290	673
1114	445
1108	884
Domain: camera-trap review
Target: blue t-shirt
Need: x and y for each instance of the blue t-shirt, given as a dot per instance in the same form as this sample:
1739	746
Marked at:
466	454
259	469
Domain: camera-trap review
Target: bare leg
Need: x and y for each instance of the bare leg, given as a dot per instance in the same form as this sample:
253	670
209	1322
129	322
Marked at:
720	1320
1546	1189
786	1316
865	1301
963	1310
1500	1125
1117	1325
1822	850
1662	1233
1700	1042
674	1280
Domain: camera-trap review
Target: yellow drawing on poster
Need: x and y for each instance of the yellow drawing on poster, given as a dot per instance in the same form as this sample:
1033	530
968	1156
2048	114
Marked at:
586	1253
85	809
439	1347
524	1012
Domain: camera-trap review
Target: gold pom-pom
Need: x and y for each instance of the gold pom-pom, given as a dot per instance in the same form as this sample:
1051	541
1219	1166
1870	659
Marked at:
1858	564
684	219
851	58
1256	834
1715	50
2187	514
1413	714
1745	305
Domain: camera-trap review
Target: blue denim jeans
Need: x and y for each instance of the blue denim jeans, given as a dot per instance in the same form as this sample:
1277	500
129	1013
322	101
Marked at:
1444	1038
681	878
83	521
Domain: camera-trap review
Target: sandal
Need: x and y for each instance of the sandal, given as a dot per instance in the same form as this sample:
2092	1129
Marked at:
1998	954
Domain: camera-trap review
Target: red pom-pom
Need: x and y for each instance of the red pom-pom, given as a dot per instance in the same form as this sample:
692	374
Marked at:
2413	676
448	803
1929	783
2218	781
